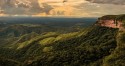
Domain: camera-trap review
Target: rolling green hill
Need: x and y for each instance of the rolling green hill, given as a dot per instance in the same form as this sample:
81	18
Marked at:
90	46
86	47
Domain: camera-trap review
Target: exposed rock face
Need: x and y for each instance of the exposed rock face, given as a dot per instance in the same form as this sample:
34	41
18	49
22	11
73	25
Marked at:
110	21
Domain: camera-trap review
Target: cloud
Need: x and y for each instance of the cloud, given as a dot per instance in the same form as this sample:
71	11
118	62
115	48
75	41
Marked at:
97	9
39	7
62	7
47	8
62	11
117	2
23	7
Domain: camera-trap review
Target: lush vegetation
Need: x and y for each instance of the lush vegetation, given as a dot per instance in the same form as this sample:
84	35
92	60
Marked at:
34	45
85	47
8	62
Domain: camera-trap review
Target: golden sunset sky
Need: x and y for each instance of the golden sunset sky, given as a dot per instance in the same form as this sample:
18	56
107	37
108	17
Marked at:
82	8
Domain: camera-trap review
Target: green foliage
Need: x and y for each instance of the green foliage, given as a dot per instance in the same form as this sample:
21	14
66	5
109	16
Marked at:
47	41
90	47
122	38
109	17
26	43
117	57
8	62
66	36
47	49
87	49
35	39
50	34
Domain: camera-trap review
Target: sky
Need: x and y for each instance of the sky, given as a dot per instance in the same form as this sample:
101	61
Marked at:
81	8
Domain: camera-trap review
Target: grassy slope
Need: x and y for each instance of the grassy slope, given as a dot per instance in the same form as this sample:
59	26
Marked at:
90	47
117	57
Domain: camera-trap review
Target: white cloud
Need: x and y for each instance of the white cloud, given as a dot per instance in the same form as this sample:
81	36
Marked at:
77	7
